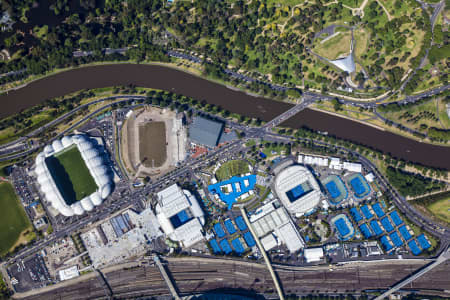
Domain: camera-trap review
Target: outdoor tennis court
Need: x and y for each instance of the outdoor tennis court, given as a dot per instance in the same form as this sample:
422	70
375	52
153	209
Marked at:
359	185
336	188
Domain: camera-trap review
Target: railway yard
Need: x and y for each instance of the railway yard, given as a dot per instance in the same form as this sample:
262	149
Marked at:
195	275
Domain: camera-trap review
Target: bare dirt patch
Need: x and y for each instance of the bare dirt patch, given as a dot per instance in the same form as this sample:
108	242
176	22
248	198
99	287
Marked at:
152	144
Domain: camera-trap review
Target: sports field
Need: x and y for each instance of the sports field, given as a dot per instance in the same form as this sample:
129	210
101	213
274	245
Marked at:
441	209
232	168
152	144
13	220
71	175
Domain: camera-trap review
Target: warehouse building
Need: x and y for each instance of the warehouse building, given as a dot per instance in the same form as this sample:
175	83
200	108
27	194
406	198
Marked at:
297	189
205	132
180	215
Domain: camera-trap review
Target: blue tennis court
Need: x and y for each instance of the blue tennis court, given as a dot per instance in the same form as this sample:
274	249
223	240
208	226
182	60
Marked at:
404	232
355	214
396	218
237	245
342	227
225	246
359	186
395	238
386	244
230	227
249	239
366	212
240	223
414	248
333	189
424	244
378	210
218	229
179	219
387	224
376	227
296	192
215	246
365	230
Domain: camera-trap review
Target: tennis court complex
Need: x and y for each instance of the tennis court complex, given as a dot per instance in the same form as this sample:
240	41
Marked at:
335	188
359	185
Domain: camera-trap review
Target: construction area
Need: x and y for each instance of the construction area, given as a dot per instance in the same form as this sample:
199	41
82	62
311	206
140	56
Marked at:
153	141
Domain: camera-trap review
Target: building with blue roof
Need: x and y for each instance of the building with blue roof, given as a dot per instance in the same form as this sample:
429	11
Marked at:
230	190
396	218
237	246
378	210
215	246
365	230
355	214
249	239
366	212
226	248
423	241
376	227
395	238
240	223
386	244
404	232
387	224
414	248
229	226
218	229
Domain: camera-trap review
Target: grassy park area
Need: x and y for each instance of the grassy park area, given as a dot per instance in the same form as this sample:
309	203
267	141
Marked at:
232	168
441	209
72	175
335	46
13	221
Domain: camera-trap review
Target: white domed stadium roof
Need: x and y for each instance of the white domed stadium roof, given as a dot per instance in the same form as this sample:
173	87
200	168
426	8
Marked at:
106	191
48	150
96	198
57	145
77	208
95	164
66	141
87	204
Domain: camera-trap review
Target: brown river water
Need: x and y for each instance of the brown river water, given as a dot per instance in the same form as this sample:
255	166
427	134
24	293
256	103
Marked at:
179	82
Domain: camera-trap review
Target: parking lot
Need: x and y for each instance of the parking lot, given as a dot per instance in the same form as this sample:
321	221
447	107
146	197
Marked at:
29	274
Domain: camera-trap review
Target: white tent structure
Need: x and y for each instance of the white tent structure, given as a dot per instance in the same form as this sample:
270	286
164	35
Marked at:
94	162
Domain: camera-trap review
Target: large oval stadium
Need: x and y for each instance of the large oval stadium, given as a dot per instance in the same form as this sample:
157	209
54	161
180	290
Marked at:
73	175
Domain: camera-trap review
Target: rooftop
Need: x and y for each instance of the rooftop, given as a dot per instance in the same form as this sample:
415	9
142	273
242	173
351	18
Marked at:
205	132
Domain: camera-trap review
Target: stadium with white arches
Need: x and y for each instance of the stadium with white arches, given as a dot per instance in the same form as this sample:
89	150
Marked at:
73	175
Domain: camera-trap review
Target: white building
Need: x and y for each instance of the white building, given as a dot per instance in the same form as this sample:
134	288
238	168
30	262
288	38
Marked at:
94	162
180	215
313	254
273	226
297	189
353	167
69	273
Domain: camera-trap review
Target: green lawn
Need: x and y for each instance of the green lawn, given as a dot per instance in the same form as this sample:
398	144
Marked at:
441	209
72	175
232	168
13	220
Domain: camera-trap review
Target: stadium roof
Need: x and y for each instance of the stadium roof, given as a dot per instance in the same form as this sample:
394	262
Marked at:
205	132
289	179
95	164
346	64
172	201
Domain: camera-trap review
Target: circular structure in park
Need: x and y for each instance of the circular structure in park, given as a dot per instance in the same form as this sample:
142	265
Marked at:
73	175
